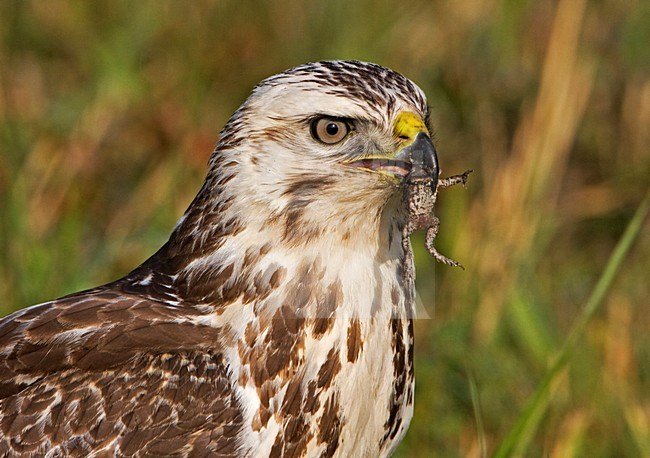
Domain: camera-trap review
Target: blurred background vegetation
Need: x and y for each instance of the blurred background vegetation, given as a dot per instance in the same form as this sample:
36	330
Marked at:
109	111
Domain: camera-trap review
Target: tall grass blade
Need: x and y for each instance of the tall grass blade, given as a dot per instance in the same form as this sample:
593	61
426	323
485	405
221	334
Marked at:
530	417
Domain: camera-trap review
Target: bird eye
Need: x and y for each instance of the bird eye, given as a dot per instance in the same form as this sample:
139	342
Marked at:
329	131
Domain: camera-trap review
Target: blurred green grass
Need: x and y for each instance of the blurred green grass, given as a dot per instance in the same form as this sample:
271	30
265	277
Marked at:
109	111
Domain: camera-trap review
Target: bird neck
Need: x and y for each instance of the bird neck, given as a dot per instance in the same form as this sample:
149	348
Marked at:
217	256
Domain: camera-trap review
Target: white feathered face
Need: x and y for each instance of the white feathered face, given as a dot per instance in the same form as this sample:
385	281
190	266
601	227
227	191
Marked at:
323	142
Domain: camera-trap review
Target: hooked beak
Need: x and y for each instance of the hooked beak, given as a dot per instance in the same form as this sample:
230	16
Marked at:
422	157
417	159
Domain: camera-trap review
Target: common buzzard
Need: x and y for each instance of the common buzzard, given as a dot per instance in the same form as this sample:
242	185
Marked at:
277	319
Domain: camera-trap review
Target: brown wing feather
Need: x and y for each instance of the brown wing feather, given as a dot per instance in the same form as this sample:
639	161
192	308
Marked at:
178	404
108	370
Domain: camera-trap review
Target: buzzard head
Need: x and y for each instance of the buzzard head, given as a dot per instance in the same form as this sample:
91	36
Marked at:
322	148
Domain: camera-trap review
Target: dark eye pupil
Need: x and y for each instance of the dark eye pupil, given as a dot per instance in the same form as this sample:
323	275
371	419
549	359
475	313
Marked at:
332	129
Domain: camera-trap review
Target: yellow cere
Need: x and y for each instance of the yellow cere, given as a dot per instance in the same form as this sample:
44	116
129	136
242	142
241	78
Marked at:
408	125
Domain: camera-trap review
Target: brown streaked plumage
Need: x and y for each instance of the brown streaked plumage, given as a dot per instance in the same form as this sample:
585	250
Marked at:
277	319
